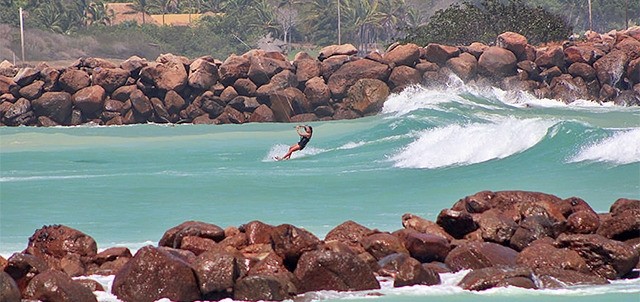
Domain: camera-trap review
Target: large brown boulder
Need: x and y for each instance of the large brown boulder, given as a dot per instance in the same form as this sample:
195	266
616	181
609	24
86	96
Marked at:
582	70
133	65
17	113
464	66
439	54
544	255
262	69
153	274
89	100
456	223
530	229
407	55
350	233
173	102
411	272
290	242
216	272
586	54
610	68
367	96
341	80
605	257
622	225
427	247
514	42
331	270
337	50
317	92
490	277
262	114
497	62
173	236
306	69
7	85
203	73
569	89
475	255
380	245
26	76
550	277
32	91
419	224
110	78
403	76
111	260
496	227
23	267
623	204
141	104
166	76
52	243
72	80
633	71
8	288
550	57
54	285
263	288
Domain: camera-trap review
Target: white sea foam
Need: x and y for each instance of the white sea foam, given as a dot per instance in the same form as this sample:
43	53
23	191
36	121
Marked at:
417	97
471	143
622	148
351	145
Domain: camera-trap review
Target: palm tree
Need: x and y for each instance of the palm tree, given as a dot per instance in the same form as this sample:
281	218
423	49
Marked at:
141	6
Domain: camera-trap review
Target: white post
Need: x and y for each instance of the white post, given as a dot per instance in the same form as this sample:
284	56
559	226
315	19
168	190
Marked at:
590	22
22	33
339	38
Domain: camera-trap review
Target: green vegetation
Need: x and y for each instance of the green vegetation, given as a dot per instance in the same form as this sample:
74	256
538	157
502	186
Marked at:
483	21
234	26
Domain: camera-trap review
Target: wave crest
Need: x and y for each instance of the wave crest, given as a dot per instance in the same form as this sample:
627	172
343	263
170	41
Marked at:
622	148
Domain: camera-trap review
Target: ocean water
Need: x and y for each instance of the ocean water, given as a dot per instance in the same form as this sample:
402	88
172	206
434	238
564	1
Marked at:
125	186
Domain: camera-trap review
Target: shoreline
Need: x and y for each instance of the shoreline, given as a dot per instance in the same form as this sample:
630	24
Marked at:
505	238
261	86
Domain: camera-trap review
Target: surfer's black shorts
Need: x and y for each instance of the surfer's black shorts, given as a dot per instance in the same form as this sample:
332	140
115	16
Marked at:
303	142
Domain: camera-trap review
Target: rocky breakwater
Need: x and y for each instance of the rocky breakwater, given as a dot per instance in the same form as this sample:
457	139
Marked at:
263	86
508	238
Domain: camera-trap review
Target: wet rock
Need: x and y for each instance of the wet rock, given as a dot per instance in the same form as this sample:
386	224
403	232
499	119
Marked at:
550	57
427	247
173	236
350	233
290	242
55	105
490	277
262	114
610	68
54	242
23	267
623	204
403	55
497	62
633	71
203	73
336	50
32	91
263	288
439	54
317	92
583	222
110	78
54	285
605	257
72	80
153	274
531	228
475	255
582	70
495	227
382	244
89	100
216	272
545	255
91	284
368	95
341	80
404	76
456	223
419	224
411	272
464	66
550	277
173	102
330	270
7	85
514	42
8	288
622	225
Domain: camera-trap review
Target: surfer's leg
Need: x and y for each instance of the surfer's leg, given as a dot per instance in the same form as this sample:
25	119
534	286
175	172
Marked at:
292	149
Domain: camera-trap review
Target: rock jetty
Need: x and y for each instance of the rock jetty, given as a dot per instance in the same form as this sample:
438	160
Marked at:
507	238
261	86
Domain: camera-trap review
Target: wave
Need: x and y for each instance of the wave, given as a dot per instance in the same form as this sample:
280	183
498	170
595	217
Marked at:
459	145
622	148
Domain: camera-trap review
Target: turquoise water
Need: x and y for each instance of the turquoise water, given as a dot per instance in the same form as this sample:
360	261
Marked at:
125	186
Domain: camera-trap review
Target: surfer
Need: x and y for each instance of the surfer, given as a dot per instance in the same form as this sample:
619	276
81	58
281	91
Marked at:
305	137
